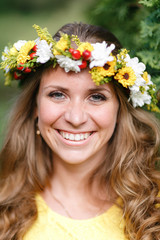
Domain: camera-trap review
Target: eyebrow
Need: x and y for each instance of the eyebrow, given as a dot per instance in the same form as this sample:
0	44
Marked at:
99	89
58	87
94	89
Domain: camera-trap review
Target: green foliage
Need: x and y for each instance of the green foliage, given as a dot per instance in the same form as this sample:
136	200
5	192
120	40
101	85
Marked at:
150	40
121	17
150	57
150	3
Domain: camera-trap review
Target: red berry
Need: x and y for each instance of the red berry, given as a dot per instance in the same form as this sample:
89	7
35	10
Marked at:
20	67
86	54
71	50
83	65
27	70
34	48
76	54
32	55
17	75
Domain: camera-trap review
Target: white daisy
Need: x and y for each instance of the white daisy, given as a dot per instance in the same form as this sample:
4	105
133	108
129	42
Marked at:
43	52
68	64
101	54
19	44
138	67
139	99
139	82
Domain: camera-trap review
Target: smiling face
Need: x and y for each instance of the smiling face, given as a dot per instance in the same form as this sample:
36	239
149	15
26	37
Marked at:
76	118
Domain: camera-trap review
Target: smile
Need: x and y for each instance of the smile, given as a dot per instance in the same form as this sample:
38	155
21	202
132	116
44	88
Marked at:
75	137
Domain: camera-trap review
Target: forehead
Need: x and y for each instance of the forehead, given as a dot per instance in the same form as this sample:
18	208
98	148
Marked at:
71	80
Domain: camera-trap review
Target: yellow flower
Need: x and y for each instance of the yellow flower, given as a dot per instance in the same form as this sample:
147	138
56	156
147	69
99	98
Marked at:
154	108
126	76
61	45
85	46
44	34
145	77
24	51
13	51
8	79
122	55
98	74
110	68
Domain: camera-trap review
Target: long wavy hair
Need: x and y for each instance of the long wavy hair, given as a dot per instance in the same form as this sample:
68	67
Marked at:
129	167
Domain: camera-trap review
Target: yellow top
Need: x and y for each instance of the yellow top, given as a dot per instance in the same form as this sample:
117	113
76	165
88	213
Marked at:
52	226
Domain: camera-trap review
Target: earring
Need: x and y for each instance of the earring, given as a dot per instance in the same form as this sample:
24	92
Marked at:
38	132
37	129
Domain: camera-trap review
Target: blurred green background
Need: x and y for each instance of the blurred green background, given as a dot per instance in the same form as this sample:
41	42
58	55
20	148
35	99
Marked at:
136	23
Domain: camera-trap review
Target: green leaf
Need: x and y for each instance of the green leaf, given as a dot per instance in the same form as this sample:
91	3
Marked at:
150	57
149	3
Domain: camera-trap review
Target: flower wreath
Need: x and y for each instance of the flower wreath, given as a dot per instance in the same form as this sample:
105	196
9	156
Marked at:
27	56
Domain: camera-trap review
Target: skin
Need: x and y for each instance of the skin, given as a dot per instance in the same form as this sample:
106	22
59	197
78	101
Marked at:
71	103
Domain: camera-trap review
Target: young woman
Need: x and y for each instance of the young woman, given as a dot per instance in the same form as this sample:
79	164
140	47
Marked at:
79	159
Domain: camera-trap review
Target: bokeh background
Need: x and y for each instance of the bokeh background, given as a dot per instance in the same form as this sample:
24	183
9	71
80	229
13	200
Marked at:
136	23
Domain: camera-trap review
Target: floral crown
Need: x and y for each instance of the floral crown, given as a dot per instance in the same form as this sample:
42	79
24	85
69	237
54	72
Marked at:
25	57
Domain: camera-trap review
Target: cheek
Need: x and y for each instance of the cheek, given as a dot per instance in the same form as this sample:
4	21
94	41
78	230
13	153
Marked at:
106	119
47	113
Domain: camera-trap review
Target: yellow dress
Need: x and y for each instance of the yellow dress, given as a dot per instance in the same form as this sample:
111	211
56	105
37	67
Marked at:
53	226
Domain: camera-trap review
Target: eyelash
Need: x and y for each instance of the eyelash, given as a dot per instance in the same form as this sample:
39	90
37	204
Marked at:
98	97
56	95
95	97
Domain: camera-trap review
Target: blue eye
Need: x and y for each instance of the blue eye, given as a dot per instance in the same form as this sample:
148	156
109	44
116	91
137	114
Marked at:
56	95
97	97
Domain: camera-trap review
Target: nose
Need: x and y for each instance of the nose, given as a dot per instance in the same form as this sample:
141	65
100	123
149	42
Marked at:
75	114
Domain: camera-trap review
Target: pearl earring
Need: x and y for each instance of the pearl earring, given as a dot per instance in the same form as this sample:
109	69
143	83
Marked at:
38	132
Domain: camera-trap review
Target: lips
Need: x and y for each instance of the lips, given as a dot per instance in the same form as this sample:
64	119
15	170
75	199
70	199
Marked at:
75	136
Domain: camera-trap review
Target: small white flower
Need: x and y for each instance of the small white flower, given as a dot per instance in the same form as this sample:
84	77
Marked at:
139	99
138	67
19	44
7	69
101	54
139	82
6	50
44	52
68	64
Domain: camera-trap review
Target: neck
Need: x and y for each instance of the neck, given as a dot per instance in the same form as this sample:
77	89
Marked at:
70	194
72	178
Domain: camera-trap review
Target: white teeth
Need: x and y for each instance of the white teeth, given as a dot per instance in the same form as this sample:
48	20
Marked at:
82	136
74	137
67	136
77	137
71	137
86	135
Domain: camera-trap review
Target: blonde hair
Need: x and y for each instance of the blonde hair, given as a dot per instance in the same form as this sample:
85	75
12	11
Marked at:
23	169
129	166
133	152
